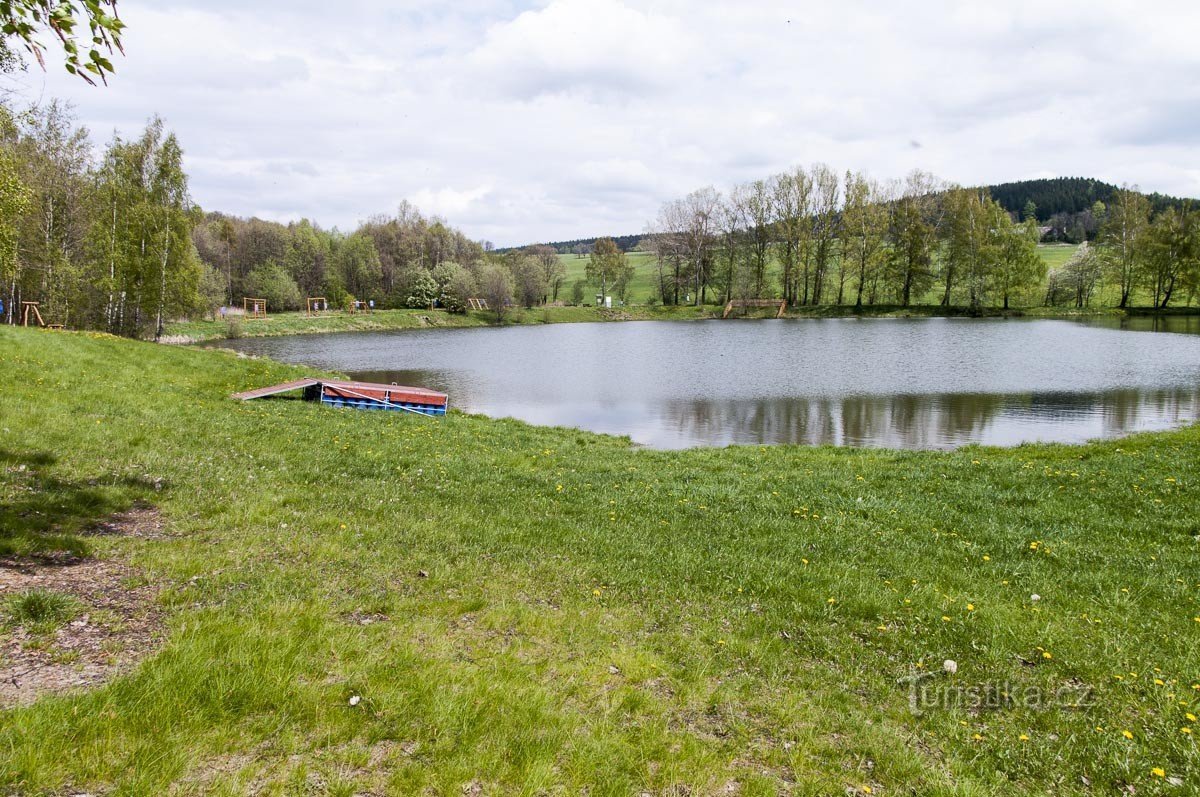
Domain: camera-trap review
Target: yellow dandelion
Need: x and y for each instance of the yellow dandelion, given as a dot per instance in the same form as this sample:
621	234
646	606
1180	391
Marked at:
1188	731
1191	717
831	601
945	619
1127	734
1047	655
1024	737
970	607
1158	772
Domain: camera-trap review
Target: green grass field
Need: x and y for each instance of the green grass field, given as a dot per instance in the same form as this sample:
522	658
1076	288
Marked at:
641	287
376	603
1056	255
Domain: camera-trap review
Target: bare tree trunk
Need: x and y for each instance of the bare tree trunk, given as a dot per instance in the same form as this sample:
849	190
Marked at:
112	268
162	288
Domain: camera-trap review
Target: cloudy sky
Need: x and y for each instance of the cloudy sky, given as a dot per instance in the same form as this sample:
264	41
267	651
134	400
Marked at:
522	122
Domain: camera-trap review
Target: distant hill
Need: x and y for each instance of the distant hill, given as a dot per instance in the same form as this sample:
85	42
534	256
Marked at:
624	243
1054	195
1058	199
1064	195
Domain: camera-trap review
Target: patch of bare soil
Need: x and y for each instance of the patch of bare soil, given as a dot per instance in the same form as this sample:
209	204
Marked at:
117	625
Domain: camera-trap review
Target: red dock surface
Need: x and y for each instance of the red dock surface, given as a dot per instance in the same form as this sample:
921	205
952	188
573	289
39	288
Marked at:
398	394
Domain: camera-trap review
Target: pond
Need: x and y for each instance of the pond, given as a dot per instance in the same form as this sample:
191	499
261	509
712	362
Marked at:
899	383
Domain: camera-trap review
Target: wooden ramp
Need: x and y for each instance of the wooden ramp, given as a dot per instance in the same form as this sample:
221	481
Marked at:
782	305
263	392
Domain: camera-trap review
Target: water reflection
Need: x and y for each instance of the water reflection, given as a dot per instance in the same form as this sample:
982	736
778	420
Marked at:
904	383
1183	324
925	421
913	421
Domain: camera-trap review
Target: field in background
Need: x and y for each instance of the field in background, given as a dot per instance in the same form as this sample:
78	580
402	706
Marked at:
641	287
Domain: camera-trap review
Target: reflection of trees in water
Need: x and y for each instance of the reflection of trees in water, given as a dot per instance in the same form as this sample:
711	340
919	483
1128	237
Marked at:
904	421
1127	410
1187	324
929	421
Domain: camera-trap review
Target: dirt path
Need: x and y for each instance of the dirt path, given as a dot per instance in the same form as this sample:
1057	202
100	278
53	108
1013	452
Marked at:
117	624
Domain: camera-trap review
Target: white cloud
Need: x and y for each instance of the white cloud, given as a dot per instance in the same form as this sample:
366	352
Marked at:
594	47
578	117
447	201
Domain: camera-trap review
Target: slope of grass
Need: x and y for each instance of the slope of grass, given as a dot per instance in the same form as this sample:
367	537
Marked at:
376	602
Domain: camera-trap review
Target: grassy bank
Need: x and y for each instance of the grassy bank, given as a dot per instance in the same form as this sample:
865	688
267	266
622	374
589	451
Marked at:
383	320
299	323
379	603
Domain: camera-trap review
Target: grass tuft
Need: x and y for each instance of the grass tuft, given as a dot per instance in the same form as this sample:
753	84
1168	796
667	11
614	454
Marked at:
39	607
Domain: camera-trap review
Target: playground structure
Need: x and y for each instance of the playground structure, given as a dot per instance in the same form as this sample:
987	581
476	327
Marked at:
316	305
255	308
359	306
477	304
736	303
28	308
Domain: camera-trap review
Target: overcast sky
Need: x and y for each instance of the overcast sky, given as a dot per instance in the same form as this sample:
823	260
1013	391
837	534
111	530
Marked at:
554	120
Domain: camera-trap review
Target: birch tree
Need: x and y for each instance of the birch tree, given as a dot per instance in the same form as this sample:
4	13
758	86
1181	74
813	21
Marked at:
754	213
826	222
863	230
14	202
1122	240
793	222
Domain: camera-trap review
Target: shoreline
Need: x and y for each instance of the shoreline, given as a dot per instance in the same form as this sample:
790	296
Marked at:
297	323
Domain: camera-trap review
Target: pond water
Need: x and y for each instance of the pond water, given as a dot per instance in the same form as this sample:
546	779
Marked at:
900	383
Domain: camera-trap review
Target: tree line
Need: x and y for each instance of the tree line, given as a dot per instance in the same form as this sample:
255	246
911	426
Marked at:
1138	252
400	260
98	243
815	236
113	241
